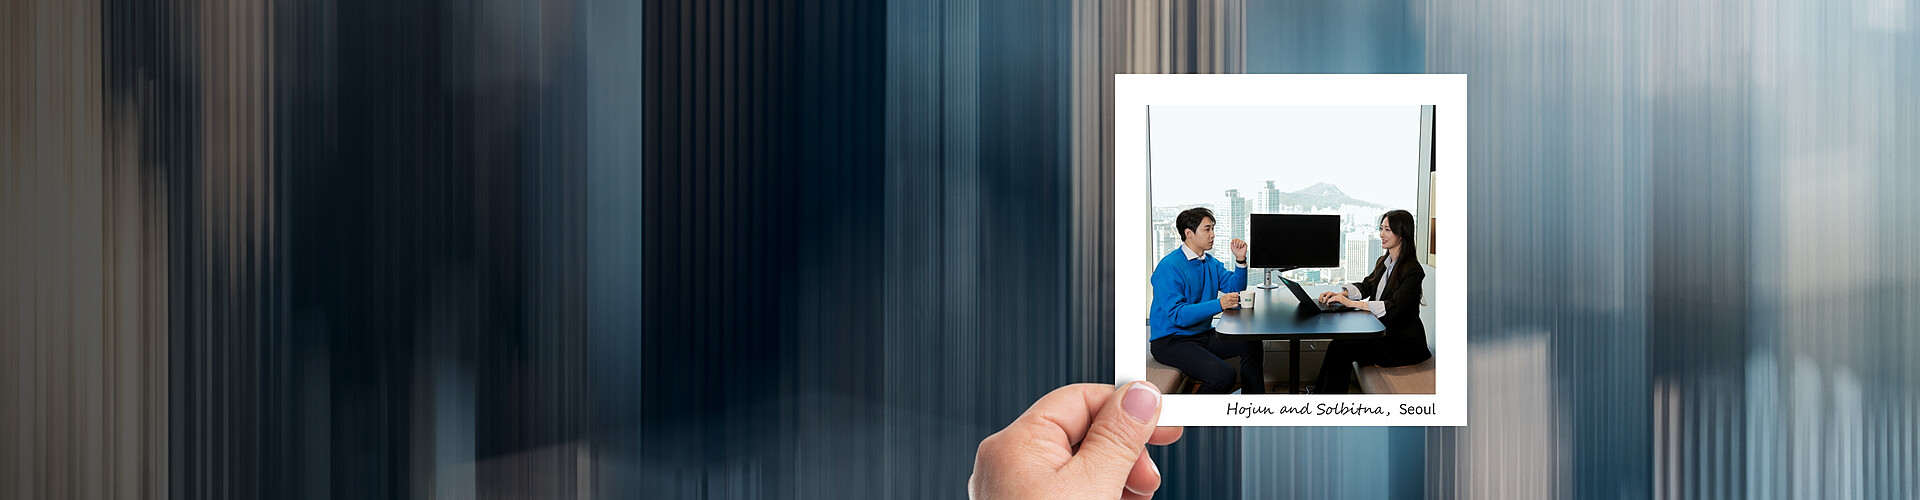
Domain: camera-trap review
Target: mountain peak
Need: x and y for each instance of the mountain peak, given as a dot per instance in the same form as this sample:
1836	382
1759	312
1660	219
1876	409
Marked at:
1321	195
1322	189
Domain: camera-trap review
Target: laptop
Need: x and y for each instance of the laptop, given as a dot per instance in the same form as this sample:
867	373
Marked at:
1301	295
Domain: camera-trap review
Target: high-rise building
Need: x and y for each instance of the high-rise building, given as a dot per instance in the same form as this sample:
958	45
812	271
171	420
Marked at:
1232	224
1269	200
1356	260
1165	238
1373	249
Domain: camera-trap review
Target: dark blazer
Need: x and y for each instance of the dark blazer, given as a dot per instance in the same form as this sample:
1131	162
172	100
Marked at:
1406	340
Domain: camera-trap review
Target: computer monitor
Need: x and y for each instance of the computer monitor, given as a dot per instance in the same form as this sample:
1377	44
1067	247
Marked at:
1293	241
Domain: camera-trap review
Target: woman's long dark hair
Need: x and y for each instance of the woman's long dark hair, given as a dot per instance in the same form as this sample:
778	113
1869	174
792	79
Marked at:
1400	223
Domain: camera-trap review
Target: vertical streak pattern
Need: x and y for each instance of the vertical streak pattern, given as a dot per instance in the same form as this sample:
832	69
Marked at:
749	248
83	274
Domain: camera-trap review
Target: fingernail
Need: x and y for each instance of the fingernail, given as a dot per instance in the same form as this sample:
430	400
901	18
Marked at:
1141	401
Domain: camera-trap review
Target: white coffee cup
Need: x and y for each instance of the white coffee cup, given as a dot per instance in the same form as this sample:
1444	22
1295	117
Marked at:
1246	299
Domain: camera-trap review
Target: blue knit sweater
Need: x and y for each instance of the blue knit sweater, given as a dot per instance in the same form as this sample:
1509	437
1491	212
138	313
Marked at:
1185	291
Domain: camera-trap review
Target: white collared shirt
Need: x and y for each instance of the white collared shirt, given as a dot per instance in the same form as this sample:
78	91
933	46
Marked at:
1377	307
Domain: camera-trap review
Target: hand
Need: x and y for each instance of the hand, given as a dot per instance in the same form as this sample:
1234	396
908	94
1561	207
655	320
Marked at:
1229	301
1326	296
1343	300
1080	441
1239	247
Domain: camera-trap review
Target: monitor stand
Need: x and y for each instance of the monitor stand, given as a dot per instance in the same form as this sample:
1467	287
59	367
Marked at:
1270	285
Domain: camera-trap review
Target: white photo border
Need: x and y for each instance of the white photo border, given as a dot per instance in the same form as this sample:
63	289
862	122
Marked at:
1133	225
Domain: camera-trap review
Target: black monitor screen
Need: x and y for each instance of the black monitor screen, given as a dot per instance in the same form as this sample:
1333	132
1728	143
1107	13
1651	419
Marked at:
1293	241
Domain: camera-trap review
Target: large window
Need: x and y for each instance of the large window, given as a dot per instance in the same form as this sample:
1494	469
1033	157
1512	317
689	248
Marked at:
1355	161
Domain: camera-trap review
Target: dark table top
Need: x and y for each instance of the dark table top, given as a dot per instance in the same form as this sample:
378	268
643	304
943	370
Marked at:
1276	315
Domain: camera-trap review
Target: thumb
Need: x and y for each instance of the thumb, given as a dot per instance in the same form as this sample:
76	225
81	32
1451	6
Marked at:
1118	436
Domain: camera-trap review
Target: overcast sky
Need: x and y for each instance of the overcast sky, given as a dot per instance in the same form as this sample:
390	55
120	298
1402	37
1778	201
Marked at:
1370	152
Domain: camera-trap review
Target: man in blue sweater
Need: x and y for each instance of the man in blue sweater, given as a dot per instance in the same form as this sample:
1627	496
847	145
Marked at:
1187	288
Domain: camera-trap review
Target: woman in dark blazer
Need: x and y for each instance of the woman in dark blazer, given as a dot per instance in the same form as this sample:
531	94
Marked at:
1392	293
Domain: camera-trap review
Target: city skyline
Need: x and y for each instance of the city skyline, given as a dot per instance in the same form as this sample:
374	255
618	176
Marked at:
1354	161
1359	226
1359	238
1359	148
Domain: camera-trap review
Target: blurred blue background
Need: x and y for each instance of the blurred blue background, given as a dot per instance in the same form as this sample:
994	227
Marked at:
743	249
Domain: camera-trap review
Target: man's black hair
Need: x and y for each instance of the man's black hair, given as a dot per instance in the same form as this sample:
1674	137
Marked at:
1189	220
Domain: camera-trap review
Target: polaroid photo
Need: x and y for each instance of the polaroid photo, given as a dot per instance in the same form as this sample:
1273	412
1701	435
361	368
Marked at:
1276	247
